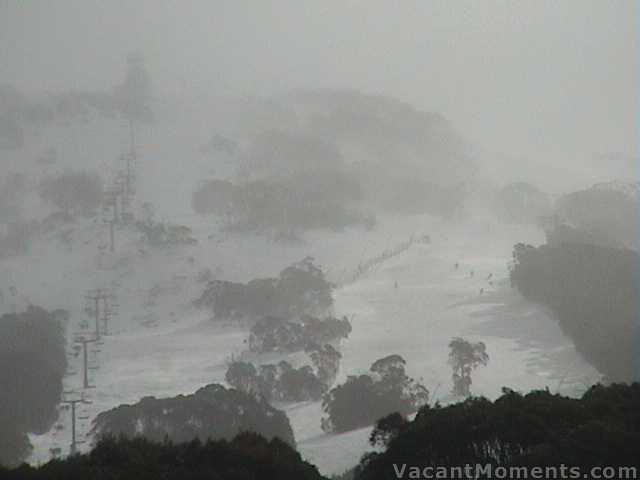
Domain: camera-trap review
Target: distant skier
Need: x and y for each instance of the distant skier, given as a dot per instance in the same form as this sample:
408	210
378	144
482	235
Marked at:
489	276
456	266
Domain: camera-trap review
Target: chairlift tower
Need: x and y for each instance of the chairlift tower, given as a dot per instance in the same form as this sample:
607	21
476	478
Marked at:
101	305
73	403
85	363
109	310
111	211
126	175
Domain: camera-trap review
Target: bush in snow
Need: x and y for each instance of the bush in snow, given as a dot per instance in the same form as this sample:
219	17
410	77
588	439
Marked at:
73	192
283	382
464	357
299	289
326	361
211	412
363	399
288	205
272	334
276	382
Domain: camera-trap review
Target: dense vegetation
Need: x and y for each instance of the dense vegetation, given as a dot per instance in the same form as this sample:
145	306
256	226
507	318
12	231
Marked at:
384	127
363	399
326	361
73	192
211	412
298	290
275	334
289	182
431	163
285	383
32	364
464	357
593	292
606	212
280	382
308	200
538	429
247	457
322	160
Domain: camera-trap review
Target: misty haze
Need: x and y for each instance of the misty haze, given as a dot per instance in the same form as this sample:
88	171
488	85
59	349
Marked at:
281	239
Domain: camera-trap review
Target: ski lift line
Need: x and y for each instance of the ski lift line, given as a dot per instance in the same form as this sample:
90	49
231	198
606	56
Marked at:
369	265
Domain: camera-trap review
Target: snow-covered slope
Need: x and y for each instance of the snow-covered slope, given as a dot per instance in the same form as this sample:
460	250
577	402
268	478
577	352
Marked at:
434	302
161	346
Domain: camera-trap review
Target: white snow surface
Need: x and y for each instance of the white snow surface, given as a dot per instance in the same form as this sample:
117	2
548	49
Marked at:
161	346
181	349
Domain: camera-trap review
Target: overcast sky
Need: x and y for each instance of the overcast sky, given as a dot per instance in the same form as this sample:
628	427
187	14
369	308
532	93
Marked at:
553	79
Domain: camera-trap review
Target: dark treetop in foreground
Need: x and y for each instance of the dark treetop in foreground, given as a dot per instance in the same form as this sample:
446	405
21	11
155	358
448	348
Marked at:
246	457
538	429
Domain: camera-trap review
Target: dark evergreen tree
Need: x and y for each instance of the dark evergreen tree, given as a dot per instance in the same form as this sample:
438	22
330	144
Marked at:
73	192
246	457
464	357
363	399
32	364
538	429
592	290
212	412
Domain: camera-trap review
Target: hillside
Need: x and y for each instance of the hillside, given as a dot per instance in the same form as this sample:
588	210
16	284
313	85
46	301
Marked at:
160	345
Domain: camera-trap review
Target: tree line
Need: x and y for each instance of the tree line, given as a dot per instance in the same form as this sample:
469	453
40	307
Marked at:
537	429
248	456
300	289
592	291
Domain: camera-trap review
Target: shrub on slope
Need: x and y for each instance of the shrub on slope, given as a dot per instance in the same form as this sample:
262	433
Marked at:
299	289
363	399
274	334
281	382
211	412
284	382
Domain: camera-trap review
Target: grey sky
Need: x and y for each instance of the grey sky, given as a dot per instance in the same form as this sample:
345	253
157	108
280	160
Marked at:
552	79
